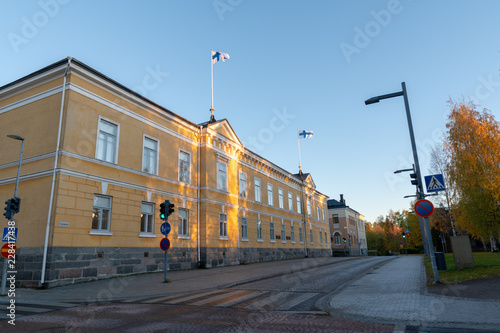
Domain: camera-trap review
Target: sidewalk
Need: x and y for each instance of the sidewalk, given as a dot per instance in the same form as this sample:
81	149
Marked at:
151	284
395	293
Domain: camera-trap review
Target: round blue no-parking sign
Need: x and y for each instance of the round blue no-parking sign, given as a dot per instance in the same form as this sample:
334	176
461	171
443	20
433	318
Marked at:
424	208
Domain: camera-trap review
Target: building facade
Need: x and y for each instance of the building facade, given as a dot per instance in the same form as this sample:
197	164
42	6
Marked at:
346	224
98	161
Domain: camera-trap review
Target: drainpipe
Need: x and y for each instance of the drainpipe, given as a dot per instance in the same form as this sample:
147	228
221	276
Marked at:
45	247
199	197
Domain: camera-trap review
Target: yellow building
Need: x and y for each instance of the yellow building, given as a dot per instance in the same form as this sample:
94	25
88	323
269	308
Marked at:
99	159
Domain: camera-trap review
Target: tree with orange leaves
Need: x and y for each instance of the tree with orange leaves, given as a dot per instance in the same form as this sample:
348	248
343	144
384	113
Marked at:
473	148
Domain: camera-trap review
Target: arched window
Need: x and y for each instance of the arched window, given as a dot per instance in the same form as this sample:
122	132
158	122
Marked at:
336	237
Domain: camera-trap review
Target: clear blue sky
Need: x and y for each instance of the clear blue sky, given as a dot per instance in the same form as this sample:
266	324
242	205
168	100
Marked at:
314	61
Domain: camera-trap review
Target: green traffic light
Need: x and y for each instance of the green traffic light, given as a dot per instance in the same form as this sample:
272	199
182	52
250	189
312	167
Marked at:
162	216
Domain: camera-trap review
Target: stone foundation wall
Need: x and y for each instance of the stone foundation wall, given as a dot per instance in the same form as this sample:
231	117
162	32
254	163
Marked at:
68	265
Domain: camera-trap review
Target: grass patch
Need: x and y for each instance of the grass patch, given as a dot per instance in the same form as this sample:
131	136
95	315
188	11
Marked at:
487	266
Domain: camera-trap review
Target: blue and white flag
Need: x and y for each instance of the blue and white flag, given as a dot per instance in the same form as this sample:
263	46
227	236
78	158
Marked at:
305	134
216	56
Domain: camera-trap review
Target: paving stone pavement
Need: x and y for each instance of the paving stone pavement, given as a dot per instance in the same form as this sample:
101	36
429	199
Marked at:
396	293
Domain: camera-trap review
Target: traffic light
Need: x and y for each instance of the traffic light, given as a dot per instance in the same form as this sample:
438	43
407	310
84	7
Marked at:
404	235
414	179
15	204
343	239
8	210
170	209
163	210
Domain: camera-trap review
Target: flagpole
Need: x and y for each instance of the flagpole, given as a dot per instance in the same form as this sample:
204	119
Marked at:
298	143
212	80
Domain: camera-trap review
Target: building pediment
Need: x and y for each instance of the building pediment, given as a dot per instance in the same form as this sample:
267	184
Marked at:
223	130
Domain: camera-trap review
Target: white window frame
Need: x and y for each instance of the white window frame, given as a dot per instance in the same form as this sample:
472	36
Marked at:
308	207
223	226
242	182
259	231
257	189
336	236
270	200
280	198
292	233
320	238
222	186
144	149
244	229
301	235
283	234
317	212
323	213
99	230
335	217
147	220
299	209
117	143
290	201
181	178
312	236
272	236
183	226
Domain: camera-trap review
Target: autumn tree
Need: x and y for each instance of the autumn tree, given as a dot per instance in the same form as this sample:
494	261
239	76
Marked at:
473	148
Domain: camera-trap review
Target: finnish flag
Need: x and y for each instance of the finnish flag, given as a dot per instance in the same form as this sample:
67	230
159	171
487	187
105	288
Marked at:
216	56
305	134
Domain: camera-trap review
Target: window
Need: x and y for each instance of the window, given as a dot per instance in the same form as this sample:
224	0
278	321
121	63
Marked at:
309	207
243	185
183	223
280	197
259	230
101	213
271	232
147	213
221	176
317	212
290	201
335	218
184	167
150	156
326	238
283	236
244	229
222	225
270	194
298	205
323	213
107	141
336	238
321	238
301	236
292	233
311	234
257	190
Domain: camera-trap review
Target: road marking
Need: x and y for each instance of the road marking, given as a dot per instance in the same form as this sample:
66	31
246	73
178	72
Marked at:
189	297
268	300
296	301
242	298
218	297
33	308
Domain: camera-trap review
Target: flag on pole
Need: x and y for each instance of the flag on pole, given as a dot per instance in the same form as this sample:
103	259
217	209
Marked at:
305	134
216	56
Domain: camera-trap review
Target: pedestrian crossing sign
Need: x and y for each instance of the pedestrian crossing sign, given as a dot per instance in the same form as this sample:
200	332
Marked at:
434	183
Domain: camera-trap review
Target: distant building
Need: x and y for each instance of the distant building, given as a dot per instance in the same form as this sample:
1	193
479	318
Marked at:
348	224
99	159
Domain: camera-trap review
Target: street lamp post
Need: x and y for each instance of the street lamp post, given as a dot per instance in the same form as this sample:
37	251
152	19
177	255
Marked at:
420	189
4	271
